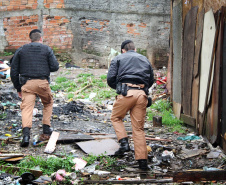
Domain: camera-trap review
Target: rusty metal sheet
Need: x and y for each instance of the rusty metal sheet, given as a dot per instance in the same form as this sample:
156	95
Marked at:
97	147
177	50
195	83
70	138
188	59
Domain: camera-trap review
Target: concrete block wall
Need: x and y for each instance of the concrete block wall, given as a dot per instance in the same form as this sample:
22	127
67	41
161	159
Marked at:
89	30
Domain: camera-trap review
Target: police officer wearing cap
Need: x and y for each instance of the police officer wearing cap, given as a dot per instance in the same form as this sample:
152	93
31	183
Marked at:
30	71
131	75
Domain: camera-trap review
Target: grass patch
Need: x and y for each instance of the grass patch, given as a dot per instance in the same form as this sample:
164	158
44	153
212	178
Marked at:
99	86
47	166
103	162
164	108
53	164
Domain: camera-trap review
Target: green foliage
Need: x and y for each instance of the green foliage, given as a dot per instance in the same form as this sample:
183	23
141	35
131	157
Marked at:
62	83
142	51
3	143
5	53
162	105
3	115
104	94
84	75
69	96
103	77
104	162
49	165
164	108
61	79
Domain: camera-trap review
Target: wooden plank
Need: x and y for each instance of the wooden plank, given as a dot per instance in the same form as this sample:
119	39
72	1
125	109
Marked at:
198	3
144	181
71	138
177	109
51	145
170	63
188	120
13	169
198	176
209	30
215	109
188	59
223	92
195	83
206	54
186	8
210	77
177	50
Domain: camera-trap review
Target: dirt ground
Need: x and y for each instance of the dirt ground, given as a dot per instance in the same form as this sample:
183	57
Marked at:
96	119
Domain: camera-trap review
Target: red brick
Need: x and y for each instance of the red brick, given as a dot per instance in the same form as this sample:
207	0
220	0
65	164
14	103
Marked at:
57	17
66	20
47	5
9	8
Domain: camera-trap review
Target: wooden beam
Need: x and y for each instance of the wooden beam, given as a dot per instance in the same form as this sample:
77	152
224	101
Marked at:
197	176
188	120
145	181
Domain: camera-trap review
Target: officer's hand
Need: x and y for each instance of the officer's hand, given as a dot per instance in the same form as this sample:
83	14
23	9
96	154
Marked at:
19	94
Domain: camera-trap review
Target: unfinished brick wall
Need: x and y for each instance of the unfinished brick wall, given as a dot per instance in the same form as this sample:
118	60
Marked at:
17	29
89	29
9	5
55	32
53	3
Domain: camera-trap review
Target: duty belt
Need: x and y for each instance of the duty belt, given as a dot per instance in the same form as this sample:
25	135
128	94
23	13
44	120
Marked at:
138	88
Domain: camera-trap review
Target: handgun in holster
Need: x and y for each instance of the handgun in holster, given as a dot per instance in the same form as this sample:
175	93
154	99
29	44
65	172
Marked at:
149	102
22	80
119	88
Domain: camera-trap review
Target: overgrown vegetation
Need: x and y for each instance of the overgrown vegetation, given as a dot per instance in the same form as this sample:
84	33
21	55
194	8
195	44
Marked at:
5	53
103	162
53	164
164	108
82	81
47	166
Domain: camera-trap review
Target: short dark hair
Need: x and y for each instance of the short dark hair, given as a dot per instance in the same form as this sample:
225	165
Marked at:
35	36
129	46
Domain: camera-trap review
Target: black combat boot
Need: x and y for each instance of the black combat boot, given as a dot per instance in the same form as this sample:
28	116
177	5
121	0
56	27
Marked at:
26	137
143	164
124	146
47	130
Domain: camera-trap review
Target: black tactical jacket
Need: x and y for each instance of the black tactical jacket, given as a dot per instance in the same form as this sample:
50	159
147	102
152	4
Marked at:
33	60
130	67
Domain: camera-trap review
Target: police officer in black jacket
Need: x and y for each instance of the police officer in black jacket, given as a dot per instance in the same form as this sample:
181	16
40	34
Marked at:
30	71
131	75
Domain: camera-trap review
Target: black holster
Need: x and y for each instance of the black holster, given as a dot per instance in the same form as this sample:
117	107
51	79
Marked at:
22	80
149	102
119	88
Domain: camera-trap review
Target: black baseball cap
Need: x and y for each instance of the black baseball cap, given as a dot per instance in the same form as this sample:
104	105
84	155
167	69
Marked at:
34	31
124	43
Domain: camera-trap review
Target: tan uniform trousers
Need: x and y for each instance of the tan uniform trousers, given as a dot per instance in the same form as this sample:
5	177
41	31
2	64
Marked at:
135	102
29	92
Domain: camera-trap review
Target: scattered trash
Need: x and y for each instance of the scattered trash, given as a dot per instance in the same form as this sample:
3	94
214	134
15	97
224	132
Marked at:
192	137
79	163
